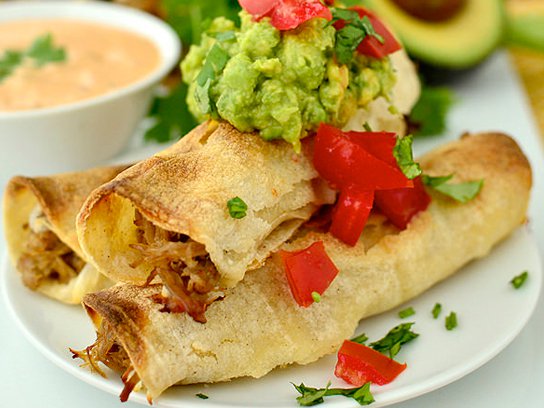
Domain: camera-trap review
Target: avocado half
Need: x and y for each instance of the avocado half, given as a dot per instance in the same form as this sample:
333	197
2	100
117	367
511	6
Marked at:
459	42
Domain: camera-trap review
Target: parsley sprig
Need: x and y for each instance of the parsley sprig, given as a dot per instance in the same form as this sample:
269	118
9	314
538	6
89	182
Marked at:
404	156
462	192
355	30
312	396
42	51
393	340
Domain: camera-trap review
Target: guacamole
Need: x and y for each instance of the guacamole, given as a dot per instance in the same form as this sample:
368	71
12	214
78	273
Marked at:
279	83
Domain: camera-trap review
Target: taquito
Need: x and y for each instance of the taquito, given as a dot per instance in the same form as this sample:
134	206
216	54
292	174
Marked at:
40	229
170	213
258	325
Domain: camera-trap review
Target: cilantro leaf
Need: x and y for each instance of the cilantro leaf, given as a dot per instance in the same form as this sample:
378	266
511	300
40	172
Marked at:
393	340
518	281
429	115
214	64
316	297
237	208
202	396
43	51
437	309
354	31
171	116
451	321
462	192
9	61
361	339
409	311
313	396
405	159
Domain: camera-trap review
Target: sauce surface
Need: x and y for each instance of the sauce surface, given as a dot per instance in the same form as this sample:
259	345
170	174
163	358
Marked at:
99	59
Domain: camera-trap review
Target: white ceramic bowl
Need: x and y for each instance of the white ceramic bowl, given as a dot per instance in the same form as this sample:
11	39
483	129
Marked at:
85	133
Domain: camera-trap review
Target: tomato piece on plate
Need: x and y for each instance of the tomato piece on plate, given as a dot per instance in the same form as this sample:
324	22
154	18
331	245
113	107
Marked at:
350	214
258	8
309	270
400	205
287	14
358	364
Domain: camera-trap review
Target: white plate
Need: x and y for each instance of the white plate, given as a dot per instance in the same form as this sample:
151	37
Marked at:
490	314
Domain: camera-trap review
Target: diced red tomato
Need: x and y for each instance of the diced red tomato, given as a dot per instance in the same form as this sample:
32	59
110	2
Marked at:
309	270
350	214
258	8
378	144
358	364
343	162
286	14
400	205
370	45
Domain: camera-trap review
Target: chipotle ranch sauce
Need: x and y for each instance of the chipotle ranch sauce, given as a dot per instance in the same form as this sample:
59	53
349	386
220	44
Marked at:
99	59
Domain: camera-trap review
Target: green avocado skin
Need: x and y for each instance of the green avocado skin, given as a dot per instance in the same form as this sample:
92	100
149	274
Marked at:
456	44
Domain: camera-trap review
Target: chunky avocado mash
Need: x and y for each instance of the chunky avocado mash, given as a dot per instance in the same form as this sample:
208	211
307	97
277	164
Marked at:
282	84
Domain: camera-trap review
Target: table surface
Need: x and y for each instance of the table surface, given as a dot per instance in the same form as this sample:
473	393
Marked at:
513	379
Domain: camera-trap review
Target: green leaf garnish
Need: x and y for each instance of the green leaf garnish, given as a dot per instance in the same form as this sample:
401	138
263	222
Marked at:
436	310
237	207
316	297
462	192
171	116
451	321
361	338
202	396
350	36
42	51
214	64
409	311
519	280
405	159
367	127
393	341
429	115
312	396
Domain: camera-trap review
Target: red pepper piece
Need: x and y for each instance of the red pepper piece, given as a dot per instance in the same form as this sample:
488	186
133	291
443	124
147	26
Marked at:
400	205
309	270
343	162
350	214
358	364
370	45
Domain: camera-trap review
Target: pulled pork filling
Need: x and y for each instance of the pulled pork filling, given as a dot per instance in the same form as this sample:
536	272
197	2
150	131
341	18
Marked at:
46	257
190	280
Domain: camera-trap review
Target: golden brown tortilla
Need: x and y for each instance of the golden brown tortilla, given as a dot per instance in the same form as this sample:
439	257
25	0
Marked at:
59	198
258	326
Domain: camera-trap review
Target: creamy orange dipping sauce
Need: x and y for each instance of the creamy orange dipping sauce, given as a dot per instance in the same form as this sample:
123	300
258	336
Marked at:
99	59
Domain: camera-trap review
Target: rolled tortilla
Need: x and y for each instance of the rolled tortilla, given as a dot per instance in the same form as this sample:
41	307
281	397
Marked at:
258	326
178	199
40	230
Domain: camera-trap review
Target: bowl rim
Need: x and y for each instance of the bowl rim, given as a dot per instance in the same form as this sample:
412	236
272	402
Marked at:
167	60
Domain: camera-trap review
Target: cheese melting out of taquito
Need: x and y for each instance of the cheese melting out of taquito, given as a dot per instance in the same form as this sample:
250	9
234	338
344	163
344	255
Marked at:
258	326
39	216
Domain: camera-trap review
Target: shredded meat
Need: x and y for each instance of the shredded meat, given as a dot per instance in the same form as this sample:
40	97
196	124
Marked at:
189	277
47	257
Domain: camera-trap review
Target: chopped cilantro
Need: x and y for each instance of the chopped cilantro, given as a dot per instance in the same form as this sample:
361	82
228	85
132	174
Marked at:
171	117
312	396
42	51
451	321
237	207
429	114
202	396
361	339
367	127
316	297
215	61
352	33
405	159
393	341
462	192
519	280
436	310
409	311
